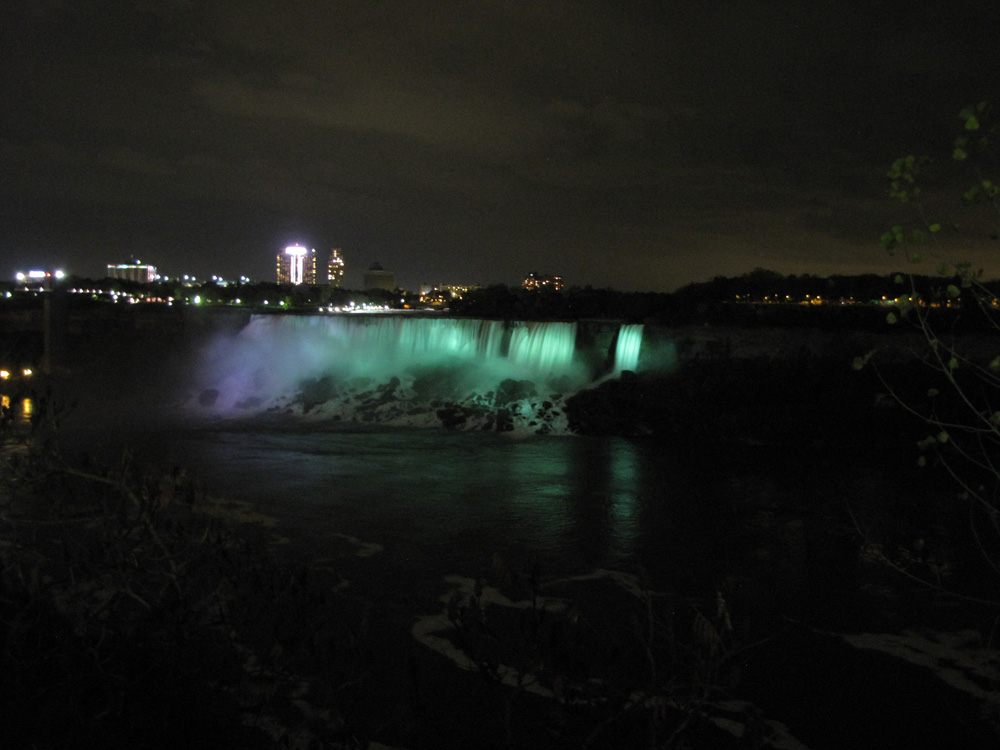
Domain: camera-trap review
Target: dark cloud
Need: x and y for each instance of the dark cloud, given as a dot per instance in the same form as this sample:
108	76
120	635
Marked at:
637	144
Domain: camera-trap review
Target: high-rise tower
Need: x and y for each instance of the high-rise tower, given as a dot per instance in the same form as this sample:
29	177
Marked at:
335	268
297	265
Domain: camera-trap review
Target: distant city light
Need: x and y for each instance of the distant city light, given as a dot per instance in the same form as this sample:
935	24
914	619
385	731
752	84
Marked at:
293	270
36	275
134	271
538	281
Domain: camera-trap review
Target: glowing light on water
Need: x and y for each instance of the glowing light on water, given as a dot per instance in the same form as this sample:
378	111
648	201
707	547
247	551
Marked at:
546	347
410	370
627	348
379	346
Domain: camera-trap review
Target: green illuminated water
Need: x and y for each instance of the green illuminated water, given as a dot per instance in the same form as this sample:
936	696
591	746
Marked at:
627	347
405	370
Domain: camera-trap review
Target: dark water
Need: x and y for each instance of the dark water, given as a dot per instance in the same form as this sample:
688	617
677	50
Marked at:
768	526
446	501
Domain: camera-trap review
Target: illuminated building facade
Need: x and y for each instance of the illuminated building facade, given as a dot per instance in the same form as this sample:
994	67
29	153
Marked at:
441	295
335	268
537	281
134	271
377	277
296	265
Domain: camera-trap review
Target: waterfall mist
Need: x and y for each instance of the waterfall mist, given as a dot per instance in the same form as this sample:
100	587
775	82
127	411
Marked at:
461	372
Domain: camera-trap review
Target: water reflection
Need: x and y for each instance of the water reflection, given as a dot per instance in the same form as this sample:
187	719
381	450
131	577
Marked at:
603	490
576	500
19	411
445	502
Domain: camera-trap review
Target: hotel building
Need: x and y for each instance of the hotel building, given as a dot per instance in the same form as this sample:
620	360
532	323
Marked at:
296	265
134	271
335	268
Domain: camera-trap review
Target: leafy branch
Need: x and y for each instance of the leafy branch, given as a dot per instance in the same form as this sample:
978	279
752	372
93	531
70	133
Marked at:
962	408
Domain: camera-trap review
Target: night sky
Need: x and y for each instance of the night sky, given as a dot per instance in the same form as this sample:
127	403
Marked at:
631	144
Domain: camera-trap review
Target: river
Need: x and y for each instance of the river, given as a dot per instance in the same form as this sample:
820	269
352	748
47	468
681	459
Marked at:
401	516
405	519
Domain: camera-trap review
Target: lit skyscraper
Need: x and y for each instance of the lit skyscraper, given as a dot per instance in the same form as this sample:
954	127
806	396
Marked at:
335	268
297	265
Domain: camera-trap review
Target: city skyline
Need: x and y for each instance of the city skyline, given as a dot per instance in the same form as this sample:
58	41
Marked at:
639	145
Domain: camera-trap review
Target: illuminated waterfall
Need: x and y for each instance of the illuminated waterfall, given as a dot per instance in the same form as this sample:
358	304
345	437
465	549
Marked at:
485	374
546	347
627	348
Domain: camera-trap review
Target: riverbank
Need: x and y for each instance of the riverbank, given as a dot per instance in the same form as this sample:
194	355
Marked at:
136	610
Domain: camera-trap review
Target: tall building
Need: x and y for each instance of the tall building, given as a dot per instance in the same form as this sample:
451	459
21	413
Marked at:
134	270
297	265
377	277
335	268
537	281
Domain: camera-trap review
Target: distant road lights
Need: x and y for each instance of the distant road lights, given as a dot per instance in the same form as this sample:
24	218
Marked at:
4	374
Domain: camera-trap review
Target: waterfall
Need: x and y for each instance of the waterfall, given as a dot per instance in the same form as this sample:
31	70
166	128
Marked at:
544	347
400	369
627	348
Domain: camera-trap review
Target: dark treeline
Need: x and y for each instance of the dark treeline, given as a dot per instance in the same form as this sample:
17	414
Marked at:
760	297
762	285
